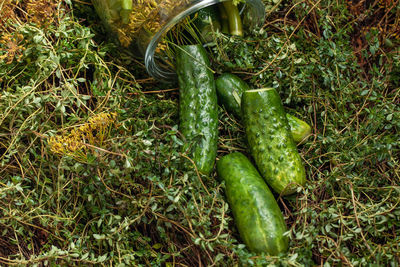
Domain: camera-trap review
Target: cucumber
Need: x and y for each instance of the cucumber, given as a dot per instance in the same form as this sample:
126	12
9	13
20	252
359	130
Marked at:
270	141
300	129
198	108
224	19
229	91
126	9
256	213
207	22
234	19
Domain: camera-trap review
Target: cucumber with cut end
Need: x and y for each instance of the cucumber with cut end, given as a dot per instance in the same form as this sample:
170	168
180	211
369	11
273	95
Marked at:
198	110
230	89
270	141
257	215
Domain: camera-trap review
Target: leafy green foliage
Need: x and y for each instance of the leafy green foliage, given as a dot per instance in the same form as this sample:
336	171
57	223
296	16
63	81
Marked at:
349	209
138	201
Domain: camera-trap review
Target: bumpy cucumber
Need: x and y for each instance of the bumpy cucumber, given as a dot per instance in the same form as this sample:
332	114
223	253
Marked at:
257	215
208	21
270	140
229	91
198	105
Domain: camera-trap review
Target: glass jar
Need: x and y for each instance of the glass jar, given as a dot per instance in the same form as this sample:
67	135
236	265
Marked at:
142	24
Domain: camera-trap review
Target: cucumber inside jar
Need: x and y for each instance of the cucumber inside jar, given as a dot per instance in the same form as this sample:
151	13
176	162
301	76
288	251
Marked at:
155	28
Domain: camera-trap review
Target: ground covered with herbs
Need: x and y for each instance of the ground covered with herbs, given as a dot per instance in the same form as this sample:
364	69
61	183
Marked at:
124	192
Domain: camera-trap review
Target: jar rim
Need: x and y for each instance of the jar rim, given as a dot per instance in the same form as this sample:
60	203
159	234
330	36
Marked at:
152	68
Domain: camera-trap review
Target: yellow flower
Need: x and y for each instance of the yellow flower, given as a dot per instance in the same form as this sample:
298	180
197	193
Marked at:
145	15
13	47
94	132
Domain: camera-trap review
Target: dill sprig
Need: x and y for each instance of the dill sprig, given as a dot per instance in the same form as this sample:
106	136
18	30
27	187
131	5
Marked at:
76	144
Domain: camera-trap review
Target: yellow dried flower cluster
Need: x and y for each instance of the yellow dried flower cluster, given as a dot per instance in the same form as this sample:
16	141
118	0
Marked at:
10	42
7	8
75	144
19	12
13	48
139	17
41	12
146	15
162	46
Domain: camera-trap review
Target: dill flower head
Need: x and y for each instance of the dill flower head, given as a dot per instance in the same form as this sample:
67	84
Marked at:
7	12
42	12
13	47
75	144
56	144
147	15
102	119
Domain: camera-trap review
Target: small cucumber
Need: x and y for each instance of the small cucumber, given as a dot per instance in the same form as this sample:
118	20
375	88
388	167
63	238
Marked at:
257	215
126	10
207	22
270	140
230	89
198	108
224	19
234	19
300	129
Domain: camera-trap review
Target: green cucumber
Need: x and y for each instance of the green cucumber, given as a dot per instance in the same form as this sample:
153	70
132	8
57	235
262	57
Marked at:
257	215
207	22
300	129
229	91
126	10
224	19
198	108
270	141
234	19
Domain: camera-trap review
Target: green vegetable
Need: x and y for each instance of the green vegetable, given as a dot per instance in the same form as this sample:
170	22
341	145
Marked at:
235	22
126	4
224	19
108	10
257	215
299	128
271	142
198	105
230	89
207	22
126	10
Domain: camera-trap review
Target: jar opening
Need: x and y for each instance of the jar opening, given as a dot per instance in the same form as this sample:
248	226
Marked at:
166	73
